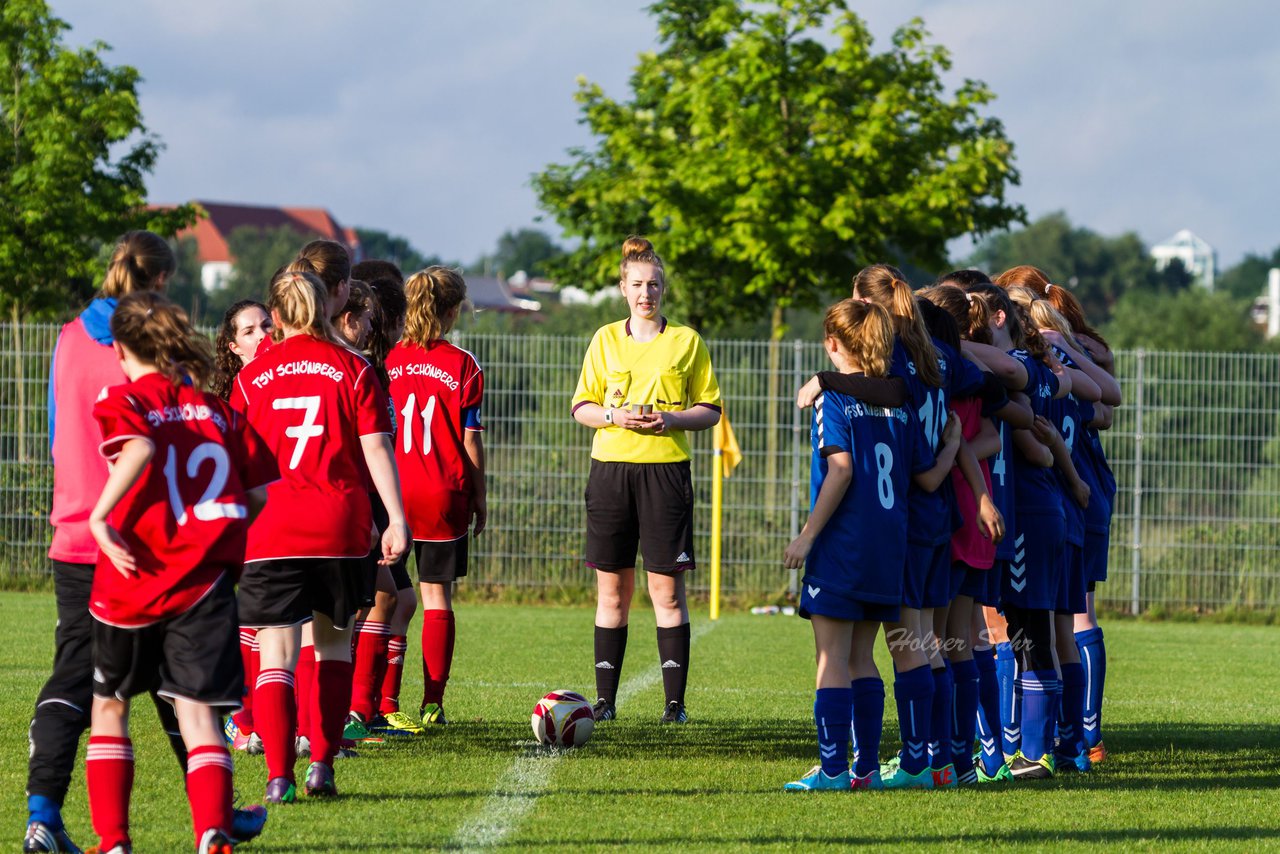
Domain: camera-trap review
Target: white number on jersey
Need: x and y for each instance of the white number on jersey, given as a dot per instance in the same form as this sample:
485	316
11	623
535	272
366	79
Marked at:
427	414
933	416
1069	431
884	467
309	428
997	465
208	508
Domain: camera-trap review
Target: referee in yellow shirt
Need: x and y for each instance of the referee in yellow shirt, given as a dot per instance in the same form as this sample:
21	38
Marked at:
645	384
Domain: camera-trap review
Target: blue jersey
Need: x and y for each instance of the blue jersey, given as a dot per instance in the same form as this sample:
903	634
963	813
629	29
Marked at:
1002	494
1037	488
861	552
933	515
1064	414
1097	516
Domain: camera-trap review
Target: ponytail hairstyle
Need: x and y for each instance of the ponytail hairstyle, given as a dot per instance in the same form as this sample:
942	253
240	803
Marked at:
964	278
1022	299
1045	316
1022	333
299	300
139	259
1069	307
431	294
227	364
969	313
387	322
1025	276
887	287
158	333
329	261
865	330
638	250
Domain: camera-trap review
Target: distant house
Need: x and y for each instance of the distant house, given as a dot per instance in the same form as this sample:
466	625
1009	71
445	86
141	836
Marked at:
211	233
1197	256
488	293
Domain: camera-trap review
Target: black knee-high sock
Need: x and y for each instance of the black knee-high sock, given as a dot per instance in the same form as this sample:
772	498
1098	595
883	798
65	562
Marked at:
673	652
611	645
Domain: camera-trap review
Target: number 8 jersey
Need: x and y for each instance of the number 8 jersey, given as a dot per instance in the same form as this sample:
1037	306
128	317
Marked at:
312	401
437	391
185	518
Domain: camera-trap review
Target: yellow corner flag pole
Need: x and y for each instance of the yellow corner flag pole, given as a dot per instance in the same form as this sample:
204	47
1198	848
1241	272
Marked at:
725	458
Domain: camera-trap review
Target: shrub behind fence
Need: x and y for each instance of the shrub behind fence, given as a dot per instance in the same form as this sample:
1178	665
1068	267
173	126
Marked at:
1194	448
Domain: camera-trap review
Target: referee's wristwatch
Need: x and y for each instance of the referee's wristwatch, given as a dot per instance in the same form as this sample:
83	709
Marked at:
608	415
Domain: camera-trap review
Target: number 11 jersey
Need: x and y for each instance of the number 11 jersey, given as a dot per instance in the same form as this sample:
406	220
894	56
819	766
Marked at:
312	401
437	391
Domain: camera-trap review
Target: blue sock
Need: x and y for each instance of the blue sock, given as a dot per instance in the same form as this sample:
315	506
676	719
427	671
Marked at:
964	715
940	728
988	709
1071	721
913	694
1040	692
44	810
831	714
1093	655
1010	699
868	720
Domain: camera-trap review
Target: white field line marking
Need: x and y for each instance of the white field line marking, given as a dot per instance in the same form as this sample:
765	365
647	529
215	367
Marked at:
528	775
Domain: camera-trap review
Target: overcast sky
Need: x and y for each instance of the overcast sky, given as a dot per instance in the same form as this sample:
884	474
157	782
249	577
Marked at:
427	118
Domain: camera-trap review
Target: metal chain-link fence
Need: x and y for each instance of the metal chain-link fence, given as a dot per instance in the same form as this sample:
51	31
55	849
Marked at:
1194	448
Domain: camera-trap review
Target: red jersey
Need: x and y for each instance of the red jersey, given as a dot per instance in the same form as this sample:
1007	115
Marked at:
437	391
967	543
312	400
185	518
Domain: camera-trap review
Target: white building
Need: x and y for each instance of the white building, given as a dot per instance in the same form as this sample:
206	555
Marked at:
1197	256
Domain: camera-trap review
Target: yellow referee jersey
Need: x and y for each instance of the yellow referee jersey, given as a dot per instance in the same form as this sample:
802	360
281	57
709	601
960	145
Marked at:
672	372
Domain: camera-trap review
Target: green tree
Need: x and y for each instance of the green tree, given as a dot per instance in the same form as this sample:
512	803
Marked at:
527	249
257	254
772	152
1192	320
185	286
1248	279
74	153
391	247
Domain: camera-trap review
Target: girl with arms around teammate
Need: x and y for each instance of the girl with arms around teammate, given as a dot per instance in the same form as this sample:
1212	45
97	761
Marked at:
866	449
187	476
319	407
645	383
437	389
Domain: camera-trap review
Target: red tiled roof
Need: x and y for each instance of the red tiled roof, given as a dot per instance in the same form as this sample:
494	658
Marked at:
211	233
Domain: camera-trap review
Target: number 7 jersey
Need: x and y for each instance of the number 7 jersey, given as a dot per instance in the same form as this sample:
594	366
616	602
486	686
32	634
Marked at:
437	391
312	401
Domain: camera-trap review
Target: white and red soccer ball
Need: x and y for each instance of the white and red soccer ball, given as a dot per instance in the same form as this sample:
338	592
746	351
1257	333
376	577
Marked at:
563	719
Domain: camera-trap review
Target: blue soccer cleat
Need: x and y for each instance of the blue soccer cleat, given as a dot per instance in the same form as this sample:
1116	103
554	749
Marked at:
817	781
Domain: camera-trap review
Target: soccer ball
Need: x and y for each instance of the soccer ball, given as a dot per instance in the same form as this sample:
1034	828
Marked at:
563	719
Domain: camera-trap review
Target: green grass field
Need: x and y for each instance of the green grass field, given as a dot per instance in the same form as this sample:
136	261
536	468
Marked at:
1191	720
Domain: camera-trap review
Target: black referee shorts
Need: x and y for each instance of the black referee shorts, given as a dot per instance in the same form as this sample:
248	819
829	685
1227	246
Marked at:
644	506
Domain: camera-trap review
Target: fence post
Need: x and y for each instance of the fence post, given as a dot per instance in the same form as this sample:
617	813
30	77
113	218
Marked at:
793	583
1137	483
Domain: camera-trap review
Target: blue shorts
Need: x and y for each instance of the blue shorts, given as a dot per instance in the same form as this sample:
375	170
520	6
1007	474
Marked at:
1071	582
982	585
927	582
1096	548
1031	578
814	600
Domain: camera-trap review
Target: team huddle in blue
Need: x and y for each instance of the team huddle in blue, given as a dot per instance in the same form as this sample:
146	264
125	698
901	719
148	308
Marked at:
961	507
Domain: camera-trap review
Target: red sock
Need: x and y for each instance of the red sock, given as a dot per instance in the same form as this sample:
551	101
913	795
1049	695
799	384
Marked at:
391	678
305	686
277	720
437	654
108	769
370	663
248	657
329	709
209	789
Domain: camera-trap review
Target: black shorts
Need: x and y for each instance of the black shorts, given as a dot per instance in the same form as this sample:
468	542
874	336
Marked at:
439	562
193	656
645	506
399	569
285	592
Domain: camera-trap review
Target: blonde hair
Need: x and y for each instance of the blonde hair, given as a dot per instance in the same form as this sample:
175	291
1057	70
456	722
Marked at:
298	298
139	258
887	287
970	313
1069	307
865	330
638	250
431	294
1045	316
159	333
